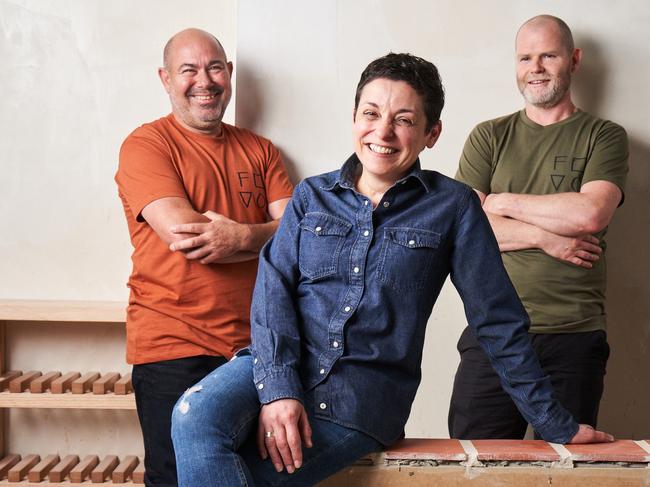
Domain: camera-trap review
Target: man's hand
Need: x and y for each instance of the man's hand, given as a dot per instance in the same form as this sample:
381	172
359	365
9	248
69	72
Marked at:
582	251
217	239
586	434
287	422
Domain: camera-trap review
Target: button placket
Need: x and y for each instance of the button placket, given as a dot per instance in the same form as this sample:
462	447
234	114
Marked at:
322	400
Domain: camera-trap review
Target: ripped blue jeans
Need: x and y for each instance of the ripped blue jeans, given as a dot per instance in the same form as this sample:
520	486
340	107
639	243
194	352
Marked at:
214	427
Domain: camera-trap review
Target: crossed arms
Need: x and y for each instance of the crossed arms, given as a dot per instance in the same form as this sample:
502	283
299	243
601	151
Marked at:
562	225
209	237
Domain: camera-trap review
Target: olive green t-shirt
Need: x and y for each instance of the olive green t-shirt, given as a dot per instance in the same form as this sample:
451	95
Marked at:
516	155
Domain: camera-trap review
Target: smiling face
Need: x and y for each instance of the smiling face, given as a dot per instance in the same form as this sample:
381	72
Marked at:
390	129
544	64
197	77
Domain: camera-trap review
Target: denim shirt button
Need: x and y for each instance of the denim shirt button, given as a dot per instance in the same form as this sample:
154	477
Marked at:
321	371
335	344
365	202
411	243
318	229
255	361
260	386
356	270
347	310
322	405
366	233
386	204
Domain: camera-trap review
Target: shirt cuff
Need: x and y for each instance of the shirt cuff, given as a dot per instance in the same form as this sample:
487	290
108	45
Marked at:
277	383
558	426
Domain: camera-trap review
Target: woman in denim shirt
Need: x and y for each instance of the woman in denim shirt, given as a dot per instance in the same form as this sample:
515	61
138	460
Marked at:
342	298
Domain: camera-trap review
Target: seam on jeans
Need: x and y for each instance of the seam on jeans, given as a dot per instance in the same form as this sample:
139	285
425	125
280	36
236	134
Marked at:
240	470
244	424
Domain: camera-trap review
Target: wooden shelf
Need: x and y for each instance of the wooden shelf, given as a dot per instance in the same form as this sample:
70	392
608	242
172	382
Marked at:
66	400
62	311
68	390
34	470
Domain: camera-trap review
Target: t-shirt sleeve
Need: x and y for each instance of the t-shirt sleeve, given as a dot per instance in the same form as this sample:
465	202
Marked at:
475	166
146	171
278	184
608	160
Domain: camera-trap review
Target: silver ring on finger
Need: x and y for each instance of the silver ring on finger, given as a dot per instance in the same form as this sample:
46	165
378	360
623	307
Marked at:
268	434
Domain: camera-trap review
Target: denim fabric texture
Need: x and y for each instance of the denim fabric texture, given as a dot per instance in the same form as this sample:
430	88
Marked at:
344	292
214	428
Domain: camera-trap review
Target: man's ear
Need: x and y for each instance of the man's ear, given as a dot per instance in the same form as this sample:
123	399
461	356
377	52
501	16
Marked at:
354	114
434	133
163	74
576	59
231	68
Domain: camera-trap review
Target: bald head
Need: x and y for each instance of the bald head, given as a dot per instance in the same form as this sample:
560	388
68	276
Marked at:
546	61
188	36
552	23
197	77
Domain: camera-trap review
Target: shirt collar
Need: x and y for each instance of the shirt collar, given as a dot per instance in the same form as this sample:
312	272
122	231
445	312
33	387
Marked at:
347	175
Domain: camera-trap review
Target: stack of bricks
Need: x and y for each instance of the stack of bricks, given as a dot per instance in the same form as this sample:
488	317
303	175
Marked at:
503	463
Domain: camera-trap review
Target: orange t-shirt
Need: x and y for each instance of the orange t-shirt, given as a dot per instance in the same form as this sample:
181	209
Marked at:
179	307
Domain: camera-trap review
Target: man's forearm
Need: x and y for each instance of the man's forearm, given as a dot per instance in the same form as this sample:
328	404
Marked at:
569	214
513	234
258	235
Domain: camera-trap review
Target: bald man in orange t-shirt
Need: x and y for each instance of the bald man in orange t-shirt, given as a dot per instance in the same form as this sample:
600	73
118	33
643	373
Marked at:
201	198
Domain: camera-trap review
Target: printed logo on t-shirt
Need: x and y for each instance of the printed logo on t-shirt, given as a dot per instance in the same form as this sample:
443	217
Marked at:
568	168
251	189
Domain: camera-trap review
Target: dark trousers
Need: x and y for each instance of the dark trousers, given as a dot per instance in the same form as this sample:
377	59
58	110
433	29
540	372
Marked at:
480	408
157	387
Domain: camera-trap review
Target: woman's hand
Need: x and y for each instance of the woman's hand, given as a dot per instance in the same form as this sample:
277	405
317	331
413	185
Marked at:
586	434
283	427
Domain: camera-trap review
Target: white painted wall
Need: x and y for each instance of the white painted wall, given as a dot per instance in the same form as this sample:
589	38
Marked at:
79	75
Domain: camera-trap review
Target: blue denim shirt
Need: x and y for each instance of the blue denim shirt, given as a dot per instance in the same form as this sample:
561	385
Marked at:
344	292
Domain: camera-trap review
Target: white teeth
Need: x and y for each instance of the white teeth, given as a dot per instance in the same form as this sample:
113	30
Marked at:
381	149
204	97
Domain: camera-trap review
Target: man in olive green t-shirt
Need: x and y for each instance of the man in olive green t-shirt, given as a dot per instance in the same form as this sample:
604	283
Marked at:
550	178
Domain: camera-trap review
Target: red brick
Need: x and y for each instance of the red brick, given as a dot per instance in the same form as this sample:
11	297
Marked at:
426	449
618	451
515	450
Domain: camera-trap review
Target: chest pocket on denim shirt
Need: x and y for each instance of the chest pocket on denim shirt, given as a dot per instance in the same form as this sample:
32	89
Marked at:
407	256
321	240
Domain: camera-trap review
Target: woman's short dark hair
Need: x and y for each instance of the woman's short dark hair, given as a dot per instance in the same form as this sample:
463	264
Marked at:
420	74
